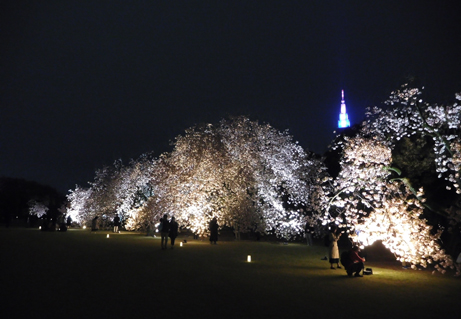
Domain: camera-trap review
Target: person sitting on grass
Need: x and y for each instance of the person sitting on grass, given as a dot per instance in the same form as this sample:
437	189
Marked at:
355	262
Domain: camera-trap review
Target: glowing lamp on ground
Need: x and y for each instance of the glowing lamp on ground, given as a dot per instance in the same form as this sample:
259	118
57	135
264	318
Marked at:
180	244
249	258
39	227
84	227
107	236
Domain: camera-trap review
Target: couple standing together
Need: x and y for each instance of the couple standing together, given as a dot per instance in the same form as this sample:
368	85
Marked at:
168	229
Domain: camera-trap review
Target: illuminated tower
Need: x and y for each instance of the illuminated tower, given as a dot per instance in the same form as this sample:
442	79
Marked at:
343	118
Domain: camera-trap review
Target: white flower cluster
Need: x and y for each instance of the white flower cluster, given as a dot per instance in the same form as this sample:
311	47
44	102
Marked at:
410	115
37	208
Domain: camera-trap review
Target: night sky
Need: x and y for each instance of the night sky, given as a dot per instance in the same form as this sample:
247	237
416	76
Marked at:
83	83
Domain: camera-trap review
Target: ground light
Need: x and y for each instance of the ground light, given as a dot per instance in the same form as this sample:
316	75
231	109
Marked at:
107	236
180	244
249	258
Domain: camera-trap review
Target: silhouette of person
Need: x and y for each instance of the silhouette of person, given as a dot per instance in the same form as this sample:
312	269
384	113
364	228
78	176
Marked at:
94	224
164	231
213	230
308	233
116	223
458	266
173	231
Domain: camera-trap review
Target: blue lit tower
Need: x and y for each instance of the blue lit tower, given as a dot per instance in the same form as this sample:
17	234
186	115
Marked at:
343	118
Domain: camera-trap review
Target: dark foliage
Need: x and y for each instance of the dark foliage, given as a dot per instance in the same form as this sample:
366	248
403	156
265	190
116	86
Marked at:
333	156
15	195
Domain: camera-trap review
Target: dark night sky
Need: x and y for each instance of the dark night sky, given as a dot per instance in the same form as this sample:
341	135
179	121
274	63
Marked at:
83	83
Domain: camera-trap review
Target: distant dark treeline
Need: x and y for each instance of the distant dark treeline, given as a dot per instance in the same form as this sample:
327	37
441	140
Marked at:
15	195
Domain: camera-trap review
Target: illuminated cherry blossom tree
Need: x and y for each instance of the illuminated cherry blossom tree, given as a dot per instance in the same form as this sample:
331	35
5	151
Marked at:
132	187
251	177
375	205
371	206
49	209
408	114
116	189
37	208
79	208
243	173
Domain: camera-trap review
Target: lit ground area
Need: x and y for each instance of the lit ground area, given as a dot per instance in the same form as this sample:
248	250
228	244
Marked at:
78	274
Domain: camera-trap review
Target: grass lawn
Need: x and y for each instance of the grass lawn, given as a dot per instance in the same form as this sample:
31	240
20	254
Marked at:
79	274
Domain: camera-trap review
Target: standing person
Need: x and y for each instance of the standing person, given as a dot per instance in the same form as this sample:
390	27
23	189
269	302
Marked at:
214	231
94	224
458	266
173	231
333	248
165	231
116	223
308	234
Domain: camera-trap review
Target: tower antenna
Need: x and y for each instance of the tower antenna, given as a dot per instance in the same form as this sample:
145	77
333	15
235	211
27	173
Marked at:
343	117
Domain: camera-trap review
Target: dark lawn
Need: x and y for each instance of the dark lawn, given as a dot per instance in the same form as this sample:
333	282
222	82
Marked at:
78	274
